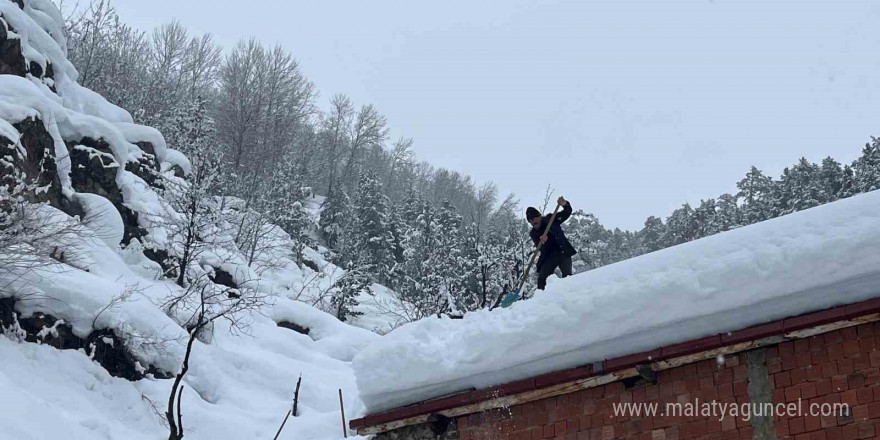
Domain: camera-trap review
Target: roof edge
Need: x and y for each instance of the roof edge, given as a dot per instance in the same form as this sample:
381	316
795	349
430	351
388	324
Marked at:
611	370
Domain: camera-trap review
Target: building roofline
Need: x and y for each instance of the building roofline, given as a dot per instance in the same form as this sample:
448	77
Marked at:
611	370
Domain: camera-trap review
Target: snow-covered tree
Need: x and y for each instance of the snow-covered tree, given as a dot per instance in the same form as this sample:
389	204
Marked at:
148	74
442	263
263	100
727	215
847	183
373	241
347	290
194	218
509	248
866	168
283	203
334	139
14	187
681	226
411	207
368	131
831	178
450	263
756	191
704	218
397	227
335	218
415	284
111	57
653	234
799	188
589	238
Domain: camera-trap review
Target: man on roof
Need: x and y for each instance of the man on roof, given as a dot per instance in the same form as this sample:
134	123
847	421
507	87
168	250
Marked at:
556	251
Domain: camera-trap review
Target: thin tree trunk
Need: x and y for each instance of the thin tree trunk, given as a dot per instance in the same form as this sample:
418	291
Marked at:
175	424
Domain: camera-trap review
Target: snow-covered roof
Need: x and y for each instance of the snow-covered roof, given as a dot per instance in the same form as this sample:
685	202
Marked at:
799	263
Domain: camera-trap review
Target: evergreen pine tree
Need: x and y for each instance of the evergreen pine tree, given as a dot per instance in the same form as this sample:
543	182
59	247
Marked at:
831	180
798	189
348	288
622	245
704	218
373	245
450	264
681	226
588	237
756	191
285	200
404	222
418	284
501	258
866	168
847	185
334	219
468	295
410	209
397	227
652	234
728	214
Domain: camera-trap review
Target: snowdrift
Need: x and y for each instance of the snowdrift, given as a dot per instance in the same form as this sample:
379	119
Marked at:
239	388
807	261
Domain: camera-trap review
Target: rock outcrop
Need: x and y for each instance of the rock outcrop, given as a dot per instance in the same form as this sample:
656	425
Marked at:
62	145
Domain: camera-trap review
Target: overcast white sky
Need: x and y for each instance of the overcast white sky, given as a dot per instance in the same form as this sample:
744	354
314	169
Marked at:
627	108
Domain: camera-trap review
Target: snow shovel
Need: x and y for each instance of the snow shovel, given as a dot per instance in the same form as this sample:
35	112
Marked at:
511	298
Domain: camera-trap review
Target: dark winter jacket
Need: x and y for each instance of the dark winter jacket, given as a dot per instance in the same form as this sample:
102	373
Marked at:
557	245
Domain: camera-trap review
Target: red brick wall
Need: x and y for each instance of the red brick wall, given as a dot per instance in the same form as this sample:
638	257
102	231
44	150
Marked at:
842	366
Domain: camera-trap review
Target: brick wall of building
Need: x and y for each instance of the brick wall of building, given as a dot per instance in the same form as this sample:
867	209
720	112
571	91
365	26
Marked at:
841	366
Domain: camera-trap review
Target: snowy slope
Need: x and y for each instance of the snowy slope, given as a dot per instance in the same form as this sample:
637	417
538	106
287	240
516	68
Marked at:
807	261
239	385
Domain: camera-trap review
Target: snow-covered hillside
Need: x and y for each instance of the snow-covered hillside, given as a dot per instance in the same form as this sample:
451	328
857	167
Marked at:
239	386
806	261
92	279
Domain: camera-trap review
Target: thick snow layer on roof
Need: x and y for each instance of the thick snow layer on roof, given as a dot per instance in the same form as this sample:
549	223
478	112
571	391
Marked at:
807	261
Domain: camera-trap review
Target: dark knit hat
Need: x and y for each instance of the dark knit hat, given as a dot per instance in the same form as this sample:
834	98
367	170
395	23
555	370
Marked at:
532	213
